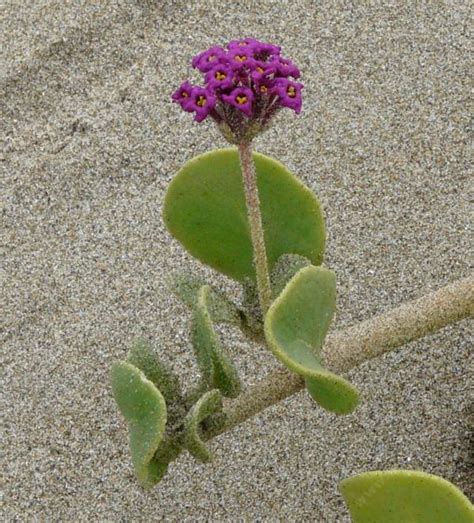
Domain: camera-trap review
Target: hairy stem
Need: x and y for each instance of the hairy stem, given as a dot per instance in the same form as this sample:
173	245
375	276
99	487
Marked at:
350	347
256	227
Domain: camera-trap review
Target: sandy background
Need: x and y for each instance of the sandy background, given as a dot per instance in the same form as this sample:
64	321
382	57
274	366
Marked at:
90	141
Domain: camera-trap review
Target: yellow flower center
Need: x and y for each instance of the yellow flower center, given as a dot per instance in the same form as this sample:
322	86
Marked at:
201	101
240	58
220	75
291	91
184	94
263	89
241	99
260	69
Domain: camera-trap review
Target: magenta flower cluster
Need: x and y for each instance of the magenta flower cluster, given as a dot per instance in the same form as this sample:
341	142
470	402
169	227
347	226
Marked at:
246	83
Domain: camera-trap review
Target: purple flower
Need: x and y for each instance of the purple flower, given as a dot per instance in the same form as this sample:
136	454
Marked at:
182	94
246	77
262	72
245	42
289	93
202	102
241	56
268	49
206	60
260	49
285	67
221	76
242	98
265	87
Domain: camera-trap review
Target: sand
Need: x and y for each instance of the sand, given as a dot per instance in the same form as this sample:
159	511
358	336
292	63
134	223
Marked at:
90	142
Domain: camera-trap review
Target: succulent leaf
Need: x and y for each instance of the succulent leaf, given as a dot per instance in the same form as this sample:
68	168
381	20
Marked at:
205	210
216	368
144	358
222	310
295	328
393	496
186	287
285	268
209	403
143	406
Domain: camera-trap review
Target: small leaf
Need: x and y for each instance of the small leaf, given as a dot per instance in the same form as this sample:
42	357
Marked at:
186	287
285	268
143	406
394	496
144	358
209	403
205	210
221	309
295	328
216	368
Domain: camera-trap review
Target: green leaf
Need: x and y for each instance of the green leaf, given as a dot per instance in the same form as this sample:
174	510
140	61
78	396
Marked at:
205	210
144	358
295	328
285	268
396	496
222	310
216	368
186	287
209	403
143	406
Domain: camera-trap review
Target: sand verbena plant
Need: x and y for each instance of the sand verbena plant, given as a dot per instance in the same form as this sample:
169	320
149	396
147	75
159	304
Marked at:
247	216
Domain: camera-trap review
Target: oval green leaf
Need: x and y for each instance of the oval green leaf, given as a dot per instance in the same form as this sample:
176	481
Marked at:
403	495
143	406
205	210
295	328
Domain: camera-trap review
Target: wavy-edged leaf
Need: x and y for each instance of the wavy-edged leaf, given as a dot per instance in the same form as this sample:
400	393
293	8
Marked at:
222	310
216	367
205	210
143	406
144	358
209	403
295	328
394	496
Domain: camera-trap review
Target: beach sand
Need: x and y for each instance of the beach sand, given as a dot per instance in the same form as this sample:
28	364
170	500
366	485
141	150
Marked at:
90	142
